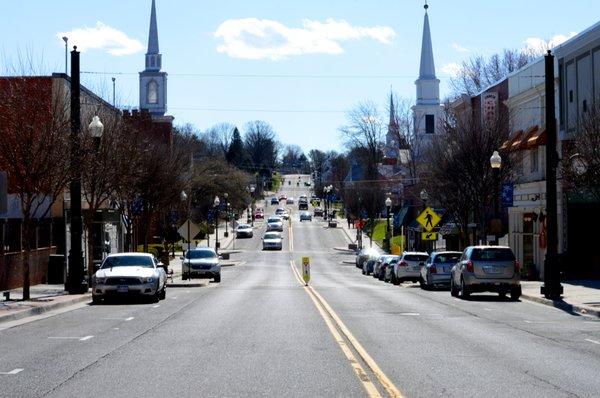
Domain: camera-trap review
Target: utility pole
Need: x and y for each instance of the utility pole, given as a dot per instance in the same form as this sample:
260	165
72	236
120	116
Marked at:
75	279
551	289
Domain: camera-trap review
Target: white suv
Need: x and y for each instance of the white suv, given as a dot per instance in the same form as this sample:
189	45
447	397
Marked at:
408	267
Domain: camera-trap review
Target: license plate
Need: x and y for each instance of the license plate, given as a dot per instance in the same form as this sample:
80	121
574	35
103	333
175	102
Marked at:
122	289
417	268
447	269
492	270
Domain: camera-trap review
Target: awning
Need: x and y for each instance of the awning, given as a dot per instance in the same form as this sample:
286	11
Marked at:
517	140
539	138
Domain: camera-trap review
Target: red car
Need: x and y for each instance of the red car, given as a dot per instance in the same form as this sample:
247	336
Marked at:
283	197
259	213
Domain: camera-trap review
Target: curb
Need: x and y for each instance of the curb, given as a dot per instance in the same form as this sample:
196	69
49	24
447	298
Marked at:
181	284
343	249
40	310
576	309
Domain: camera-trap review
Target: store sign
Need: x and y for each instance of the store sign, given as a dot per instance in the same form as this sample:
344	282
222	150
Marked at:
507	194
489	107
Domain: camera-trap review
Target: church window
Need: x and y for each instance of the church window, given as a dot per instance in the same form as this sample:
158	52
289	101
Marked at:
429	124
152	62
152	92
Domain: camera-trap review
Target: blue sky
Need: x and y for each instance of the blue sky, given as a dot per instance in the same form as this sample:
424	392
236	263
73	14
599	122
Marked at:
285	62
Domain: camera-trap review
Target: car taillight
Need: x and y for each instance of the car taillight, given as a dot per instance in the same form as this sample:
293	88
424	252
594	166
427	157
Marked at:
517	266
403	263
470	267
433	269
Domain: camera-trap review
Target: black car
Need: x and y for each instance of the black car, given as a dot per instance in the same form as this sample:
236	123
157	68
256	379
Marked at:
318	212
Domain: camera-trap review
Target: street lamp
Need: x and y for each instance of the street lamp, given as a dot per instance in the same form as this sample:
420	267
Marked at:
327	189
216	204
96	129
424	197
388	205
226	195
496	164
252	189
184	198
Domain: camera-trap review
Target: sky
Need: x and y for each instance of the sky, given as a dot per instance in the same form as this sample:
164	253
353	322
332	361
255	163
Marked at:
298	65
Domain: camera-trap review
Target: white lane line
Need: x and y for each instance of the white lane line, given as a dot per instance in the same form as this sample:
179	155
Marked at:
487	309
71	338
12	372
86	338
410	314
129	319
156	306
593	341
115	328
539	322
174	298
119	319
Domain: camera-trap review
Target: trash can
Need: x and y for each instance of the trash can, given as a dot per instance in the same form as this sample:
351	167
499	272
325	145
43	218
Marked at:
56	269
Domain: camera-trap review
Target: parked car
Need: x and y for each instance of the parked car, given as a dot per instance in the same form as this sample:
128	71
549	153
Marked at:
274	201
272	240
369	265
305	216
381	264
275	223
289	201
407	268
259	213
318	212
364	254
282	197
244	231
129	274
201	263
437	269
486	269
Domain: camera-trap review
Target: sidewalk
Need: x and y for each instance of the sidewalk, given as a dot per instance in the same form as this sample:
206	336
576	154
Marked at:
579	297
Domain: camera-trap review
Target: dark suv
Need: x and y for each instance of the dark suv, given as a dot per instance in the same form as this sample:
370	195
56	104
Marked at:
486	269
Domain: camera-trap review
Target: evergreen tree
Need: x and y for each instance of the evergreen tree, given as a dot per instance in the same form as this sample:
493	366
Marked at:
236	154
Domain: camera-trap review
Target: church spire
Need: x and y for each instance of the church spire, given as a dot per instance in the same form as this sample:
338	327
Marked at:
427	70
153	35
392	109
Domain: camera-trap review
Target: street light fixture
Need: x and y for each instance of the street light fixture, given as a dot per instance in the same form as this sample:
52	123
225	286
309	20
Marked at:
424	197
388	205
184	198
496	164
96	129
226	195
66	40
216	204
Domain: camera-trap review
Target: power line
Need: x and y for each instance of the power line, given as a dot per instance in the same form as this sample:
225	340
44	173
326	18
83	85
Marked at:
258	110
269	76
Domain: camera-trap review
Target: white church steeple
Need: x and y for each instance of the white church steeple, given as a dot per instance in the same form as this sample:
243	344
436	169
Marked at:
153	82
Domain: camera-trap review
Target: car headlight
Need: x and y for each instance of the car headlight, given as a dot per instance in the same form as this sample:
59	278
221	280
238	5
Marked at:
99	281
150	279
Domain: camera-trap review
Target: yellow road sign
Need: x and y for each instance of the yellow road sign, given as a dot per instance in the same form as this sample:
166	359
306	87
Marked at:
429	235
428	219
306	269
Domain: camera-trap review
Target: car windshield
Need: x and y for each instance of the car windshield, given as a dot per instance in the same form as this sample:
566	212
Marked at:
274	219
272	236
195	254
244	226
495	254
128	261
447	258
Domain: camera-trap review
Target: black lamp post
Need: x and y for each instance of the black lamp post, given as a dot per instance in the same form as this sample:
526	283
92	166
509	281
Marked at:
252	189
184	198
424	197
226	195
216	204
76	282
496	164
96	129
388	243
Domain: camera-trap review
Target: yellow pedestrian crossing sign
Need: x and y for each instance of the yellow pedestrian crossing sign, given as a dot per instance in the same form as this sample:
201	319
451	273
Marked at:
428	219
306	269
429	235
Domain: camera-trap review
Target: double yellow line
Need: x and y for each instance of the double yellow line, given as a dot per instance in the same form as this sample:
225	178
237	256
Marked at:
335	325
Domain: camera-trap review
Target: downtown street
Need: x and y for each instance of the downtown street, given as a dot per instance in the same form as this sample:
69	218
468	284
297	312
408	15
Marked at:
260	332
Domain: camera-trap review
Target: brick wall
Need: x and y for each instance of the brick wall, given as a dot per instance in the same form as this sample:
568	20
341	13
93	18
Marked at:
11	268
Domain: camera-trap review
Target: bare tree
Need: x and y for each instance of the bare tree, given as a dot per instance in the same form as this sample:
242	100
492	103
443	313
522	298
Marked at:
581	168
479	72
218	138
459	175
34	126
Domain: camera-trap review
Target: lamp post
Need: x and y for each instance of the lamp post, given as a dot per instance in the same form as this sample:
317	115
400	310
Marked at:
252	189
216	204
388	205
96	129
76	282
327	189
184	198
424	197
226	195
496	164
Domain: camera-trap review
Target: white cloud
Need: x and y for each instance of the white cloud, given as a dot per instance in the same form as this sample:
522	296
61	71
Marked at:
102	37
538	45
460	48
253	38
451	69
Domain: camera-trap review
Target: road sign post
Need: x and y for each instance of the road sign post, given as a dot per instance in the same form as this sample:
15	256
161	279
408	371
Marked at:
428	220
306	270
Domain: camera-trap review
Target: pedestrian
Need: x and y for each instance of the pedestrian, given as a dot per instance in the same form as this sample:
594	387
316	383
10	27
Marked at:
349	221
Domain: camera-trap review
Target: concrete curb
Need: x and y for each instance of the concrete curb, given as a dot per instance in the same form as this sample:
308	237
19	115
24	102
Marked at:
581	310
182	284
46	308
343	249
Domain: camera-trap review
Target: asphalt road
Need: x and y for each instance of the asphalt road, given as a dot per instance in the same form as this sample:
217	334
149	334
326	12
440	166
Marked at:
260	332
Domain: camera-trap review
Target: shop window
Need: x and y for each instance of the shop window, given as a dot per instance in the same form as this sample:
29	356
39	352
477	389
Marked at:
534	160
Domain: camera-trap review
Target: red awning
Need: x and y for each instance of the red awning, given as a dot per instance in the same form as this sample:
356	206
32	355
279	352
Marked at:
539	138
516	140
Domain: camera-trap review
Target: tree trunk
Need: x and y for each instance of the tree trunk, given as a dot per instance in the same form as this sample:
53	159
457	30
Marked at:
27	257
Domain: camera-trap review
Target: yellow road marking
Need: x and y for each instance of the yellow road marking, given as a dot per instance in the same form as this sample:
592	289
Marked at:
358	369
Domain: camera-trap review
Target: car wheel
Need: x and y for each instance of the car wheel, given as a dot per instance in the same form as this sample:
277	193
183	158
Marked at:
394	279
423	284
464	290
218	278
515	293
381	275
163	293
363	271
502	294
453	289
96	300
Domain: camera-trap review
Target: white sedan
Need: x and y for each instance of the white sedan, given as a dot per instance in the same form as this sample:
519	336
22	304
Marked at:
129	274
